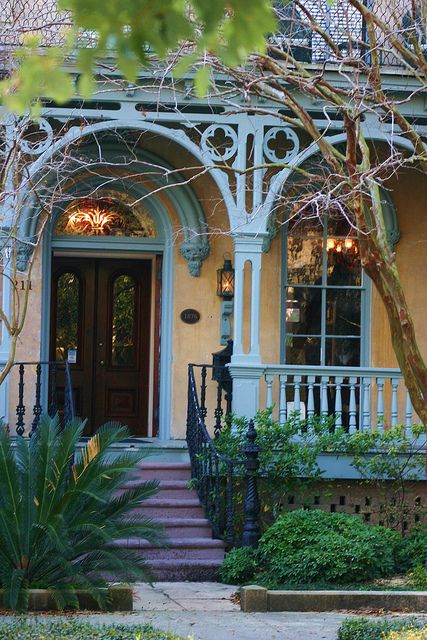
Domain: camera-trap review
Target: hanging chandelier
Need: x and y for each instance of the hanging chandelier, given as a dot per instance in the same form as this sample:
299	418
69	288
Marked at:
348	246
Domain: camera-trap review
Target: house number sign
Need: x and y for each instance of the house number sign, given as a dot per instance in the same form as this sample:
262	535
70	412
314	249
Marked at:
190	316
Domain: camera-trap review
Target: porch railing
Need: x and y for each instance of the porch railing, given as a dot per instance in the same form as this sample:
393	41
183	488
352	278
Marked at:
341	23
355	398
39	391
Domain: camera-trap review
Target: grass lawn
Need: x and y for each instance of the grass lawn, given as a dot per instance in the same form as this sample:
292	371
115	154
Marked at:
31	629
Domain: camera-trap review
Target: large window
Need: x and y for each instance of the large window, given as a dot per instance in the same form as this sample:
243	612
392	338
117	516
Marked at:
324	294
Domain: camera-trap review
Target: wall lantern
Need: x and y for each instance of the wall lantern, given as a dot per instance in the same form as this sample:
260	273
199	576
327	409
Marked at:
225	280
225	290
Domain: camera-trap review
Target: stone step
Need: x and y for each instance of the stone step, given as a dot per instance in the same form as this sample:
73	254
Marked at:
186	527
164	470
179	569
158	508
186	549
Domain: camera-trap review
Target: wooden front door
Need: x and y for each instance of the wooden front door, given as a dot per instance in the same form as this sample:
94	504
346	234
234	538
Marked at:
101	324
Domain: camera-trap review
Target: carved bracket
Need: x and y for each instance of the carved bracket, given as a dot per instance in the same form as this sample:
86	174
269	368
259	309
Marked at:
194	251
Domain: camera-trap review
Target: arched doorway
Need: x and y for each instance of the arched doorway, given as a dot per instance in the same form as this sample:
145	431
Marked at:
105	309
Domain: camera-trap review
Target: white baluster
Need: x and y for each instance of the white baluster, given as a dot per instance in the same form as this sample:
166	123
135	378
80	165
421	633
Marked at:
408	416
282	398
394	406
324	395
338	402
297	393
269	394
366	421
352	425
380	405
310	399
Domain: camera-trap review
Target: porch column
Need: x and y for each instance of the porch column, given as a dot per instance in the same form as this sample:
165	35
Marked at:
6	297
246	368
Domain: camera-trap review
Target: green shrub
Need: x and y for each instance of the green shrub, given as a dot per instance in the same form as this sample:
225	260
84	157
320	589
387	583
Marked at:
55	630
366	629
288	455
239	566
313	546
413	549
418	577
61	513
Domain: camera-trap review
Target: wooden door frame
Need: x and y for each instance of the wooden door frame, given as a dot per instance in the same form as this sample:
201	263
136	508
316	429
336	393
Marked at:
161	319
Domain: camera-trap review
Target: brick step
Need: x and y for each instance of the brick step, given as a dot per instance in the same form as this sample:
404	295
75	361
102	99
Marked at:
168	488
164	470
186	527
190	549
158	508
183	569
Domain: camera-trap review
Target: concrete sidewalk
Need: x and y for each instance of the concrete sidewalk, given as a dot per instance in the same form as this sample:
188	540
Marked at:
206	611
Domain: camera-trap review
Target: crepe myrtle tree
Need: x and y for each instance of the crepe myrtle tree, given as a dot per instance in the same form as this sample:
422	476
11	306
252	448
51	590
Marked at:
233	37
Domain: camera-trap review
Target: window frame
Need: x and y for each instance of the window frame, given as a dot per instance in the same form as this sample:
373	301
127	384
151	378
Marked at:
365	289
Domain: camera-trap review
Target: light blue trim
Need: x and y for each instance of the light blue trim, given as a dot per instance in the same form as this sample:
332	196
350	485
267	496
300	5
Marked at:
193	226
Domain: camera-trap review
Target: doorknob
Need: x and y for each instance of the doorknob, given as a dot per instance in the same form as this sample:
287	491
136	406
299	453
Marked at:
102	363
100	344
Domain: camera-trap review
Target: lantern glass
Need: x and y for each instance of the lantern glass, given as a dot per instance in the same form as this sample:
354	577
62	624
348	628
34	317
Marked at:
225	281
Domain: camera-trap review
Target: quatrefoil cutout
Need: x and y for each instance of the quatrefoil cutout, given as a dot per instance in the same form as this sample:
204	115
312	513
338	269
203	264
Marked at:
219	142
281	144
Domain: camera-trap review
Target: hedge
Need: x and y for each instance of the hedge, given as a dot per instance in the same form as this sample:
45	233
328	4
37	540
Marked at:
24	629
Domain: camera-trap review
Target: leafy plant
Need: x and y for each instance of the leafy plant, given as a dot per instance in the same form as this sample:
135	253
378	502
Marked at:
239	565
390	460
411	634
413	549
418	577
288	454
74	630
61	514
313	546
366	629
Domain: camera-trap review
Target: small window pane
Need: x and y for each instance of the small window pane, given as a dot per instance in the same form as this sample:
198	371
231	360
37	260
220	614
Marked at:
303	310
344	268
343	312
305	224
305	261
301	350
342	352
67	315
123	322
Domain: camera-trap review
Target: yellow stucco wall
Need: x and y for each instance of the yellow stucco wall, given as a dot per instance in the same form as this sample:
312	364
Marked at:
409	193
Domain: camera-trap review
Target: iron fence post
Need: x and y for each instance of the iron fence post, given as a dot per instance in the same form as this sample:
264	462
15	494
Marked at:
251	506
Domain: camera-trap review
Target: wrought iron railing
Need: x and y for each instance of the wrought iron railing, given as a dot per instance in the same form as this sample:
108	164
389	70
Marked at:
216	475
47	394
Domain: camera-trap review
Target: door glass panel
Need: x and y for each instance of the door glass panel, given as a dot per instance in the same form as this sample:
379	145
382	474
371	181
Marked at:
67	317
123	322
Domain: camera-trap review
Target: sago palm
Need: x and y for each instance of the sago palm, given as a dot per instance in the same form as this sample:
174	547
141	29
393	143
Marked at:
61	513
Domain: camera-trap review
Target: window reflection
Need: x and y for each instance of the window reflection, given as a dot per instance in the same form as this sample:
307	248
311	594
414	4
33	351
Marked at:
323	294
67	315
123	322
